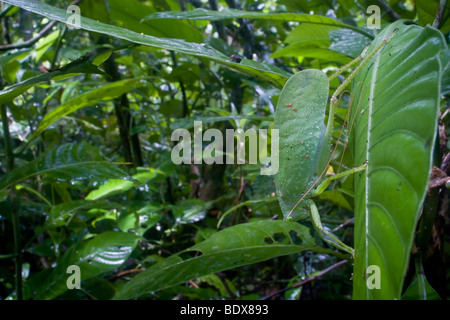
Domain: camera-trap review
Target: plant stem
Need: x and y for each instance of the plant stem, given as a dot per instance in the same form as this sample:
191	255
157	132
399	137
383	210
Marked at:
17	247
439	14
14	201
8	150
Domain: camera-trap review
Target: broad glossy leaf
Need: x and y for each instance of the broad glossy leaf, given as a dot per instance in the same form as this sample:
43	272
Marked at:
307	91
65	163
117	186
147	217
212	15
105	252
230	248
275	76
394	130
348	42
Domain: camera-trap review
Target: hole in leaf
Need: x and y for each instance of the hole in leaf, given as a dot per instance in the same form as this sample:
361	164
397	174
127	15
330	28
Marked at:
281	238
190	254
295	237
268	240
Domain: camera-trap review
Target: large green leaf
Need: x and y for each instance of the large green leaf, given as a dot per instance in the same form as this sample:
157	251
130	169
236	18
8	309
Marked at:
105	252
212	15
230	248
348	42
394	130
269	73
301	133
66	162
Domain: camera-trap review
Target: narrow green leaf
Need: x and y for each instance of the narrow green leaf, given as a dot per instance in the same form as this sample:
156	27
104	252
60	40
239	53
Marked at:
185	123
130	12
394	130
300	50
212	15
84	64
273	75
105	252
65	163
230	248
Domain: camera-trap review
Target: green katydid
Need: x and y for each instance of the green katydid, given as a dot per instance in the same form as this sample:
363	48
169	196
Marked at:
304	142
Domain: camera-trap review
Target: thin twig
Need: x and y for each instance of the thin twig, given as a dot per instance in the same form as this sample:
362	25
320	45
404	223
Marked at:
343	224
321	273
439	14
31	41
394	15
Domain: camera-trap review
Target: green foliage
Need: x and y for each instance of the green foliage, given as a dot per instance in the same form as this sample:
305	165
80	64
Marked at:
65	163
230	248
93	256
395	132
87	179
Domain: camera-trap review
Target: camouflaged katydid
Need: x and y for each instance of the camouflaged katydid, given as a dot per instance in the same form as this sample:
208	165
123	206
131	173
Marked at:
304	142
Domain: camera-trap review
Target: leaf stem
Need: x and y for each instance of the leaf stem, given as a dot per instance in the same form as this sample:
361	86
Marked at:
439	14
